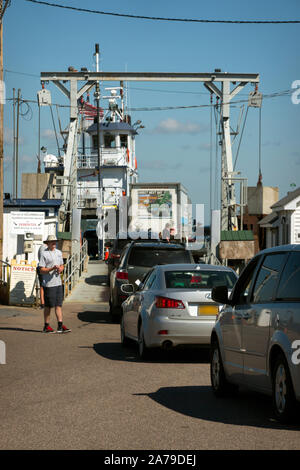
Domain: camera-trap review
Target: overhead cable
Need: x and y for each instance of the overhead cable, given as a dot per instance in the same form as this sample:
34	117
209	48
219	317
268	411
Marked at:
157	18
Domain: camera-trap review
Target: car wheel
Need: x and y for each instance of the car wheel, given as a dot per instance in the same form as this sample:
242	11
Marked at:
143	350
124	339
219	383
284	402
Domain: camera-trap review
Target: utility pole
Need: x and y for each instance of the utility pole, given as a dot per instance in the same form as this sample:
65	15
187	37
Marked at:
2	11
97	97
17	146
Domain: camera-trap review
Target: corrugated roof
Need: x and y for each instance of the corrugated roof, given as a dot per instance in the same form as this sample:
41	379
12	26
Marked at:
238	235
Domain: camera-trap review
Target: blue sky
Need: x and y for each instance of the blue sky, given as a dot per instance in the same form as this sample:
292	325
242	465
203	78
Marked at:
175	144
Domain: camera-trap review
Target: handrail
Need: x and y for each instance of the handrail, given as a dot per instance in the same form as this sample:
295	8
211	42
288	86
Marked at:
74	268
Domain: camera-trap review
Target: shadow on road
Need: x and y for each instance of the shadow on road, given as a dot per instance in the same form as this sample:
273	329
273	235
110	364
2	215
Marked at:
96	280
243	409
116	352
94	316
20	329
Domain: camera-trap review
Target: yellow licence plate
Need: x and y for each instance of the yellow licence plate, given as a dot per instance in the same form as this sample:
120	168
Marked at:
208	310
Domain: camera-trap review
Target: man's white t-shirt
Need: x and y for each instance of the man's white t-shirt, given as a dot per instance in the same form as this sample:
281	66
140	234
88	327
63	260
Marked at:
48	260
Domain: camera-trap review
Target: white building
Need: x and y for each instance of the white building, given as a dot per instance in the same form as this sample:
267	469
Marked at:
26	223
282	225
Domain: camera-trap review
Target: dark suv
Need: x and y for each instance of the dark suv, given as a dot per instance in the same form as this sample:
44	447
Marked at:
136	261
118	246
115	252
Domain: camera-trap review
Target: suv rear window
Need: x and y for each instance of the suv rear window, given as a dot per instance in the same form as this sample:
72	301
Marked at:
149	257
199	279
121	243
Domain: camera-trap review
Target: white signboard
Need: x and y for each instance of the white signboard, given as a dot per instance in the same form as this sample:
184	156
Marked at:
22	284
27	222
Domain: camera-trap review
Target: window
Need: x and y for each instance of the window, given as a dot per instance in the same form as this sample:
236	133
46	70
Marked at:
109	141
242	290
197	279
149	257
123	140
267	278
289	287
150	280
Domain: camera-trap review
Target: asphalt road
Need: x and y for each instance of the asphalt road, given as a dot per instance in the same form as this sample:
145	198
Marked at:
82	390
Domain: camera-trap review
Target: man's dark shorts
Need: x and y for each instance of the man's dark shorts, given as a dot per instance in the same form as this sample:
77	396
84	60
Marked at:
53	296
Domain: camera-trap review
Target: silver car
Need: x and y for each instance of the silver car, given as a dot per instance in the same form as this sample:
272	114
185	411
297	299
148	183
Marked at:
256	340
173	306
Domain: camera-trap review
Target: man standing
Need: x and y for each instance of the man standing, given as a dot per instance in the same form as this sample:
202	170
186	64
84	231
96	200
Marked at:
51	266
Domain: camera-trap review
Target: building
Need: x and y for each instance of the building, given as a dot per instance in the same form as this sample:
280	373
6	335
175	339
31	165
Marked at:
259	201
26	223
282	225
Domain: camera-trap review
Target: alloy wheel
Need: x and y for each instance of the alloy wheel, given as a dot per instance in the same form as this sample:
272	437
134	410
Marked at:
280	389
215	369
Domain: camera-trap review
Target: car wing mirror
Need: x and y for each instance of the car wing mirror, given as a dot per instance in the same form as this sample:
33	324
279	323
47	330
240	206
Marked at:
127	288
220	294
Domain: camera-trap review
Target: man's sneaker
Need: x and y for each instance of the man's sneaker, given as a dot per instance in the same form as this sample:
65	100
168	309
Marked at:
63	329
48	329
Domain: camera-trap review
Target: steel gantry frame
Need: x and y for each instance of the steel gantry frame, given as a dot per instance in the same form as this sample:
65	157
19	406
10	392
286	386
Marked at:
224	93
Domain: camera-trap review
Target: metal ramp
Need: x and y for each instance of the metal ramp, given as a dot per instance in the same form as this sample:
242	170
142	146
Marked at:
92	286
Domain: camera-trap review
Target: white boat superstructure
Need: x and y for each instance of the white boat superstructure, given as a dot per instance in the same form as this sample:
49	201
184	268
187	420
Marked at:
98	162
103	177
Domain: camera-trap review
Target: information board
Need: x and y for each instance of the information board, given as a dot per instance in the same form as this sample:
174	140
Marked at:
22	284
27	222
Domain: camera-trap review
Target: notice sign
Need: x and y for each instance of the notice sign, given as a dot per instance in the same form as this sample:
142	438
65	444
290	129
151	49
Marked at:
22	284
27	222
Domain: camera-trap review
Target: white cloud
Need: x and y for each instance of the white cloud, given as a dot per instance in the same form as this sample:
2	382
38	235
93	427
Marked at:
48	134
8	137
173	126
159	165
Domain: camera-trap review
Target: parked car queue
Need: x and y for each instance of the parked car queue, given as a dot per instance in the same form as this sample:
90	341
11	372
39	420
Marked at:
252	325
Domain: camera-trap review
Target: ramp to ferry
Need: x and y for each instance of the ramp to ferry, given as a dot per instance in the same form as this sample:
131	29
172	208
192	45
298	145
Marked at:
92	286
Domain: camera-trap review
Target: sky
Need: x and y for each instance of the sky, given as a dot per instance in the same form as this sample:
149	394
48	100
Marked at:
176	145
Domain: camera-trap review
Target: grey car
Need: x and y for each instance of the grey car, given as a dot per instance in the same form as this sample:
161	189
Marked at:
136	261
173	306
256	339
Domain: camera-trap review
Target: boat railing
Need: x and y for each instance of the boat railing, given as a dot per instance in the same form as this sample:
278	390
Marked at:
108	157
